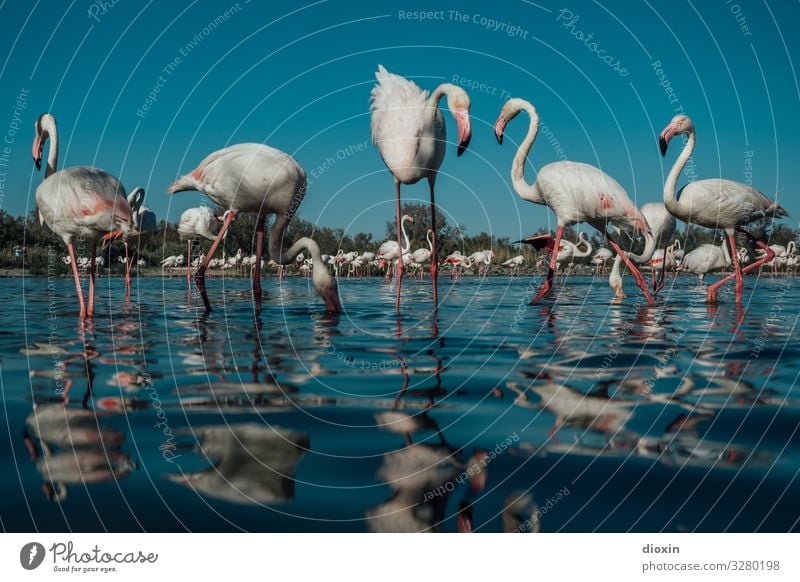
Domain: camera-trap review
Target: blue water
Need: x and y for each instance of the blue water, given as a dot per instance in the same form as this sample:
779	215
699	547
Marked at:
579	414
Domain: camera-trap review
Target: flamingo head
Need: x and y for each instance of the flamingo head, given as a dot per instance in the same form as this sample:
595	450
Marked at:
45	123
459	103
680	124
327	288
135	198
510	110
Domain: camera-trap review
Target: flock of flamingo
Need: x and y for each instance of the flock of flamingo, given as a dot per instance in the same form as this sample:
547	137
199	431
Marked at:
408	130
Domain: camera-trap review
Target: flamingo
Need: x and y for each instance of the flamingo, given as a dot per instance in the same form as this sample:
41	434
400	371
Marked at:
782	255
483	259
715	203
144	225
576	192
707	258
662	226
195	223
78	202
388	250
409	131
457	263
423	256
514	263
172	262
257	178
567	250
600	258
678	250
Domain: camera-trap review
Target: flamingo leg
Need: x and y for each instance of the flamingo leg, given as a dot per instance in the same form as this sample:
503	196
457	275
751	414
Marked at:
257	293
770	254
399	267
631	267
200	275
74	264
737	267
92	267
548	283
434	268
127	275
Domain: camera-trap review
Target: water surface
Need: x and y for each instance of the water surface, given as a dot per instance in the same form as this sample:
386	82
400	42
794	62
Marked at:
579	414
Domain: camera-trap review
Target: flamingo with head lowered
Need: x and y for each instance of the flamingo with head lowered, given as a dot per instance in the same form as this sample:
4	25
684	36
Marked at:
143	221
253	177
576	192
194	224
408	130
715	203
78	202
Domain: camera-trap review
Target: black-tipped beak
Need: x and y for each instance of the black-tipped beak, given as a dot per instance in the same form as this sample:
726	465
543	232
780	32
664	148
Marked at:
38	162
662	144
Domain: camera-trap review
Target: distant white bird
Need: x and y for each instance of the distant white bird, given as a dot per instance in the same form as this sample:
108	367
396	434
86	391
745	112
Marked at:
144	227
514	263
389	250
482	259
600	258
409	131
423	256
172	262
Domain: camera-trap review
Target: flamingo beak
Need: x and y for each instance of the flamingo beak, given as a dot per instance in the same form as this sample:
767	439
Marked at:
663	140
464	129
332	303
38	146
499	128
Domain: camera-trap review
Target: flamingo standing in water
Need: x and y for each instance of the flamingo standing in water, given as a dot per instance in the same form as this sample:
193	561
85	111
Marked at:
78	202
144	225
423	256
599	260
662	226
193	224
576	192
514	263
256	178
567	250
408	130
388	250
715	203
706	259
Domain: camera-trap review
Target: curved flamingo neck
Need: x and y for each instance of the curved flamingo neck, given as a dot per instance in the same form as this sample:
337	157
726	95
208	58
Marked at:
526	191
428	238
50	130
432	105
725	253
407	245
670	200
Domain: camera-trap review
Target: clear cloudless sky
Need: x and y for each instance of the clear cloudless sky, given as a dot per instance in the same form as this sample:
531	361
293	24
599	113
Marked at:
297	76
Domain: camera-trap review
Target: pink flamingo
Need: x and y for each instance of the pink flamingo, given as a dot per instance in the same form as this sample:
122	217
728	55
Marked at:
78	202
256	178
408	130
715	203
576	192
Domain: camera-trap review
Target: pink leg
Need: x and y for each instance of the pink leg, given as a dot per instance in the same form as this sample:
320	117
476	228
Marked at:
74	264
631	267
548	283
92	268
770	254
200	276
399	251
434	268
737	268
257	293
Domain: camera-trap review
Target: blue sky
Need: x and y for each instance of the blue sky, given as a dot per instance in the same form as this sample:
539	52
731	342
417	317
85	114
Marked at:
297	76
